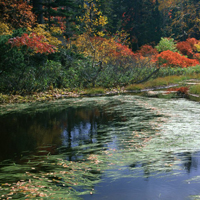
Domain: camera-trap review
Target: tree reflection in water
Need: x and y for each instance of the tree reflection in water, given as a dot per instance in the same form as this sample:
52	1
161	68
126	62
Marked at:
77	145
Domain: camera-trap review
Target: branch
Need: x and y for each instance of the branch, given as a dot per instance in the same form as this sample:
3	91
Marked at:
146	78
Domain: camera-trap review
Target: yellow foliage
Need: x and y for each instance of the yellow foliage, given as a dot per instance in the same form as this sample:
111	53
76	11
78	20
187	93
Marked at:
92	43
122	37
167	4
5	29
101	49
197	47
96	47
94	20
56	30
40	29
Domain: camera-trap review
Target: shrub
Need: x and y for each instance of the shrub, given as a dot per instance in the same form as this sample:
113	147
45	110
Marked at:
40	30
188	47
147	50
33	42
179	90
102	49
192	42
166	44
174	59
185	49
24	66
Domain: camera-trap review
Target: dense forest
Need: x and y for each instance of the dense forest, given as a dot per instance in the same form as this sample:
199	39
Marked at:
94	43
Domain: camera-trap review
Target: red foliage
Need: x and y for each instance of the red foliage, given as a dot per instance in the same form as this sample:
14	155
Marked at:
180	90
33	42
196	56
123	50
192	41
147	50
17	13
174	59
187	47
116	50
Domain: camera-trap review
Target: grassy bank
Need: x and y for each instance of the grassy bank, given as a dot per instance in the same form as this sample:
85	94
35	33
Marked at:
180	77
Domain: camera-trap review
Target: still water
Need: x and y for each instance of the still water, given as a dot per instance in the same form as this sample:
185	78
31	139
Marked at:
116	148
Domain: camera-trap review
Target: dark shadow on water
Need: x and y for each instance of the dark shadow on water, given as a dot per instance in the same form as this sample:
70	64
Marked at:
75	133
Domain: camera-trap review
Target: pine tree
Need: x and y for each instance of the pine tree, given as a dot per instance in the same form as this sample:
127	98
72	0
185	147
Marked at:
37	9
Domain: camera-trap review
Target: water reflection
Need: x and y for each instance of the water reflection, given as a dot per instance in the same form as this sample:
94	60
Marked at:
99	138
190	161
70	128
20	133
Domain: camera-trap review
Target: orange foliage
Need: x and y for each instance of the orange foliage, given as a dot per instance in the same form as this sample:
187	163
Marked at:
180	90
196	56
174	59
102	49
33	42
118	51
17	13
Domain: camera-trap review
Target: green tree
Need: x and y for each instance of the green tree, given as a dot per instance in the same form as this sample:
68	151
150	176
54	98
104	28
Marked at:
62	13
37	9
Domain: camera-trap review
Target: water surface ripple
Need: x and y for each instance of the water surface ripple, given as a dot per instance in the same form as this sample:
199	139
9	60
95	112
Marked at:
120	147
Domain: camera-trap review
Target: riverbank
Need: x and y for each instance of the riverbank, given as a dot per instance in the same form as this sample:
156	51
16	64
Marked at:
166	87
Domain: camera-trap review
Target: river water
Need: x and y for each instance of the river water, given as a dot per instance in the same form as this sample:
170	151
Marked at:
120	147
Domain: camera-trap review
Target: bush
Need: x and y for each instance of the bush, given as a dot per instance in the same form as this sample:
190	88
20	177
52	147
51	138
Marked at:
174	59
147	50
12	64
166	44
22	70
187	47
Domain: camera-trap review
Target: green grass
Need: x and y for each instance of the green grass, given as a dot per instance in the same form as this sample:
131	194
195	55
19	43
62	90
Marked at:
166	76
135	87
160	81
169	71
195	89
95	91
194	76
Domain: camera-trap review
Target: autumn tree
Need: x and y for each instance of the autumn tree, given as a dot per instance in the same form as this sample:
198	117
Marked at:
180	18
17	13
108	9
